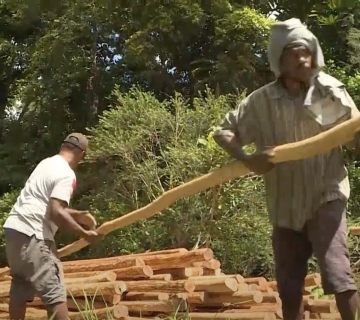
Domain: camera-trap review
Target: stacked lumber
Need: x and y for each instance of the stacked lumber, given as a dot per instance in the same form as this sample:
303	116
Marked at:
168	282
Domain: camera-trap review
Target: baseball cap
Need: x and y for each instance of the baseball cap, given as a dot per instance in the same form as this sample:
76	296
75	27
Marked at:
78	140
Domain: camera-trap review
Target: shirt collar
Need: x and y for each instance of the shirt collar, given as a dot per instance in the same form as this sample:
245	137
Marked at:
321	82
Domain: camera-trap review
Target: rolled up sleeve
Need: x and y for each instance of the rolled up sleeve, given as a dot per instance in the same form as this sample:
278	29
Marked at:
240	123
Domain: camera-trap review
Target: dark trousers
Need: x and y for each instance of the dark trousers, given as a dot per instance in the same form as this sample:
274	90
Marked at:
325	237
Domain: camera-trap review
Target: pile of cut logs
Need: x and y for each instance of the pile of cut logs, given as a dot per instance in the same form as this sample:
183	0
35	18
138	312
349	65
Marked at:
150	285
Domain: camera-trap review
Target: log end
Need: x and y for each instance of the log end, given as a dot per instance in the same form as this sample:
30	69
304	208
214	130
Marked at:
308	301
208	254
189	286
139	262
111	276
258	297
122	287
253	287
115	299
193	272
232	284
148	271
273	285
239	278
167	277
269	290
215	264
120	311
4	271
162	277
196	297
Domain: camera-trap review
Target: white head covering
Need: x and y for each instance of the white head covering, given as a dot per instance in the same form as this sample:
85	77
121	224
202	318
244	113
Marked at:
334	103
292	32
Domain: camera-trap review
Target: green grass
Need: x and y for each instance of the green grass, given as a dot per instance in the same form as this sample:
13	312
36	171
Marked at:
88	311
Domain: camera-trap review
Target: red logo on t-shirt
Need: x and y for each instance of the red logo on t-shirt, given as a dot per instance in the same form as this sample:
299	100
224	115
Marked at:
74	184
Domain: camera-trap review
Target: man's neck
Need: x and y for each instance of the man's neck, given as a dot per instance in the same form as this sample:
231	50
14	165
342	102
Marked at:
294	87
69	158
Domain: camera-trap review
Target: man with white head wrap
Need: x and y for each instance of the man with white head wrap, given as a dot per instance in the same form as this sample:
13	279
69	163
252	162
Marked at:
306	199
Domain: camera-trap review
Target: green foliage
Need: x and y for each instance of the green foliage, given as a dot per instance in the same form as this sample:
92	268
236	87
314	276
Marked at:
351	82
239	37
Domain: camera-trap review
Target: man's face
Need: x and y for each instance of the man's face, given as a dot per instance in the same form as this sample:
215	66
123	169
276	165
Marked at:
296	63
79	155
82	155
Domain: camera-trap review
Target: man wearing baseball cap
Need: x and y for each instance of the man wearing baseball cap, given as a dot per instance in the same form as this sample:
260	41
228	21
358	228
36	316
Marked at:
41	208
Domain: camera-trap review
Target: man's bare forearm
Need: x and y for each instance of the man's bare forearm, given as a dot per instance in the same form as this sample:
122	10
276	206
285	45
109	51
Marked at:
66	222
74	212
232	146
63	219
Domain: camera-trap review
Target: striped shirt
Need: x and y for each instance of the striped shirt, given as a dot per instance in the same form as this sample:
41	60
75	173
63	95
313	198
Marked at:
269	117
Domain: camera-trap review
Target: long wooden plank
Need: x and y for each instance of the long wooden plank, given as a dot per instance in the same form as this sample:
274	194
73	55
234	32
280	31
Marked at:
319	144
